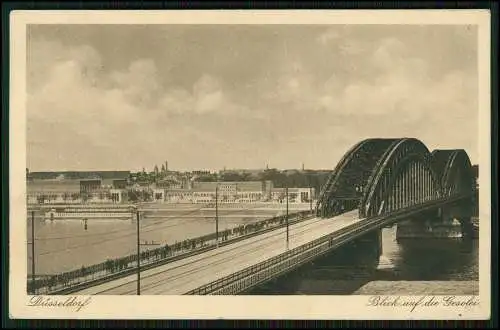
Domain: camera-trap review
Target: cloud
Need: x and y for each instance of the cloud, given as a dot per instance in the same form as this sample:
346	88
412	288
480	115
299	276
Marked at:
328	36
43	55
398	84
391	92
209	97
110	111
331	88
139	83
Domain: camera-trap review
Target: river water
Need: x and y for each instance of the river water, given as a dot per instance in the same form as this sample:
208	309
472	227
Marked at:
339	273
66	245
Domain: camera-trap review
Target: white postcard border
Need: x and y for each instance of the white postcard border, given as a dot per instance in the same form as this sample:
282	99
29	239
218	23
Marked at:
233	307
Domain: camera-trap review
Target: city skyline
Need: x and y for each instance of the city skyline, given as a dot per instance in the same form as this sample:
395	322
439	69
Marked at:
150	169
119	97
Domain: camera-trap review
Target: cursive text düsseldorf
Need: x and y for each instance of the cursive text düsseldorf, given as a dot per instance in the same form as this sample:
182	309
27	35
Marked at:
75	303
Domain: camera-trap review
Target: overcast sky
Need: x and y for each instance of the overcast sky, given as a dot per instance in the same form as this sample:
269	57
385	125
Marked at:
204	97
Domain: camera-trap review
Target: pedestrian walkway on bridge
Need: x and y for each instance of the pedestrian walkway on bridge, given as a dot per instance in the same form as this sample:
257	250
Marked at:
184	275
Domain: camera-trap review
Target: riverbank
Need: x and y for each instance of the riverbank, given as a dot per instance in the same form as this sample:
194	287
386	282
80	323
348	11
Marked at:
162	206
392	288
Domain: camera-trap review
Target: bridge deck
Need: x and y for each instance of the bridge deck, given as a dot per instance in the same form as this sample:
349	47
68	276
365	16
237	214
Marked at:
187	274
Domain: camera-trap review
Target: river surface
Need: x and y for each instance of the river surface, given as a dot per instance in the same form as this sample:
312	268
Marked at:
338	273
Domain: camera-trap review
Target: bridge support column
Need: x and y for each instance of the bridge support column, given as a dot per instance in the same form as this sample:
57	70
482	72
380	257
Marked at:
447	222
380	249
460	214
372	241
368	249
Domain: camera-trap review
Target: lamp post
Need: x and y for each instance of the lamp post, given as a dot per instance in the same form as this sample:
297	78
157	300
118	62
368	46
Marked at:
33	251
138	255
287	227
310	199
217	216
139	244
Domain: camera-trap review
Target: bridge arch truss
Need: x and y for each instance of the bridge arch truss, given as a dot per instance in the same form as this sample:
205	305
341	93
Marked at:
379	176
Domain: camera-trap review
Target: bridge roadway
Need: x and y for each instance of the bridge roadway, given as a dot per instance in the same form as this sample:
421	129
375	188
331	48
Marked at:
224	216
181	276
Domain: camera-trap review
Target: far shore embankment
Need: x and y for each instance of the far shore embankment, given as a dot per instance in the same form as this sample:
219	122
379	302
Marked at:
171	206
126	211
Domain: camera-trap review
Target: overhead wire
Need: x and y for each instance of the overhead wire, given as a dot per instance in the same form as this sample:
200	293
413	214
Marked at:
108	232
143	226
167	225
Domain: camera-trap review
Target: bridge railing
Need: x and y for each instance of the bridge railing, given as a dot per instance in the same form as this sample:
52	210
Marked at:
333	239
252	270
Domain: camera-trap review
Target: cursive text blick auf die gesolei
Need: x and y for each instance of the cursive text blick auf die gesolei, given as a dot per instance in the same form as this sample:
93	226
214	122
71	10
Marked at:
464	302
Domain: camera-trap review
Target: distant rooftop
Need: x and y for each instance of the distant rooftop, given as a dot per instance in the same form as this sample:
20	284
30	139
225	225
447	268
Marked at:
53	186
79	175
240	186
242	170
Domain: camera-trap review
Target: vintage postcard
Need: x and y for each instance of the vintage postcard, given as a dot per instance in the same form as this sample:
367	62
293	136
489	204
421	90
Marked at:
250	164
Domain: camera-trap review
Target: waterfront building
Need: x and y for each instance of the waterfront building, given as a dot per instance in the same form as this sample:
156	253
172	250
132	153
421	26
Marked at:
71	188
236	192
171	190
53	191
116	195
178	195
158	195
295	195
228	192
201	172
90	186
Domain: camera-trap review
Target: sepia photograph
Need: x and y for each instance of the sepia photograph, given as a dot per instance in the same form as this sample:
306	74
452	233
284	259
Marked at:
259	159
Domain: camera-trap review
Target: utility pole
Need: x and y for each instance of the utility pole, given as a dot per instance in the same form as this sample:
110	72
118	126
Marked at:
138	256
310	199
287	229
33	251
217	215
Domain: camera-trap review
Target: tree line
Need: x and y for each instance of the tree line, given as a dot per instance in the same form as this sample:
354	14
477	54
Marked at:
280	179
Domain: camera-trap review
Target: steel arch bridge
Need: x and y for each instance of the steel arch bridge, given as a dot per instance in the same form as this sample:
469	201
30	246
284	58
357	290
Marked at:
380	176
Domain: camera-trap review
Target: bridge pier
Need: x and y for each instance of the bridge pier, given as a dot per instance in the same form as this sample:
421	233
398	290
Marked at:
373	241
366	250
452	221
